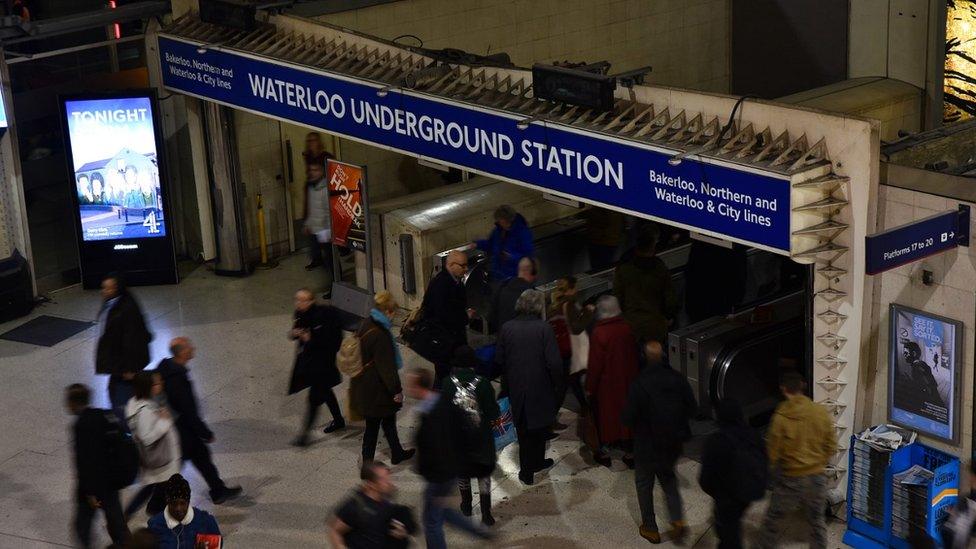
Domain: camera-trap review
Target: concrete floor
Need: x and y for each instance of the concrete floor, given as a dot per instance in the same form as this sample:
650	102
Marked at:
241	375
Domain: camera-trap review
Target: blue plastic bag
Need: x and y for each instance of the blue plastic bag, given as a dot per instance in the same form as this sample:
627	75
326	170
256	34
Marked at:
504	427
486	361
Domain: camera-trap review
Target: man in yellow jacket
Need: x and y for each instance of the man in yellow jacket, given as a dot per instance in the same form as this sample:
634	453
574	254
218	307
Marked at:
801	442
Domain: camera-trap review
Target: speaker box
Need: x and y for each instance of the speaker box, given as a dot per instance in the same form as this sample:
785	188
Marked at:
16	293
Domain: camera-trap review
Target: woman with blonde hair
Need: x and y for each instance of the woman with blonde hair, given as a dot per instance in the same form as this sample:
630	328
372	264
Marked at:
376	393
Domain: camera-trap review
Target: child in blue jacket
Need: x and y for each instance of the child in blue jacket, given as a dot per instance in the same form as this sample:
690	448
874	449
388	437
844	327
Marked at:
179	524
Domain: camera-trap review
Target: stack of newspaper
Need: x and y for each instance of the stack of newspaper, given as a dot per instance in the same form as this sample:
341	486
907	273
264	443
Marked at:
870	456
910	501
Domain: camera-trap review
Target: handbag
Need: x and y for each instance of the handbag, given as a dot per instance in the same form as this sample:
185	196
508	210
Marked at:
151	456
503	428
580	344
432	342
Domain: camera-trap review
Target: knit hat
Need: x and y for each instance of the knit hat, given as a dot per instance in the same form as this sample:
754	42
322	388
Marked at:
177	488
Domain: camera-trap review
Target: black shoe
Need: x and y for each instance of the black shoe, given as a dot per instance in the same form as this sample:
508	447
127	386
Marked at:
301	441
404	456
228	493
527	478
334	426
546	463
552	436
313	265
603	459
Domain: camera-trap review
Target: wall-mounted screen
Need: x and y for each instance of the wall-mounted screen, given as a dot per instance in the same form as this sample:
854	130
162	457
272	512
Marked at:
924	366
116	168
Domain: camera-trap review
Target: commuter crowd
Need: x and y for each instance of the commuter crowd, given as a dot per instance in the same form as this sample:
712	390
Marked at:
607	353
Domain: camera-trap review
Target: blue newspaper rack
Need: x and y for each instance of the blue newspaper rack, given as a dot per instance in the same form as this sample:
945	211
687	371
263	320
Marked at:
940	496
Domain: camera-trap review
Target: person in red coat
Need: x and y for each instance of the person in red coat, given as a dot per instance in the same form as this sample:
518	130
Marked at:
611	368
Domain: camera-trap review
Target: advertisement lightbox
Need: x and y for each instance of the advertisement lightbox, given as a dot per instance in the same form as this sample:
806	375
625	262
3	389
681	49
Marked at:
118	182
924	372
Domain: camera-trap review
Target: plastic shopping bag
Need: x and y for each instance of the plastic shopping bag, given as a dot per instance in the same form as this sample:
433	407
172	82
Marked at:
504	427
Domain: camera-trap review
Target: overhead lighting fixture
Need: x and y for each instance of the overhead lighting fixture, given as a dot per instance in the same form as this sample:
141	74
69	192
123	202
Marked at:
677	159
385	90
204	48
525	122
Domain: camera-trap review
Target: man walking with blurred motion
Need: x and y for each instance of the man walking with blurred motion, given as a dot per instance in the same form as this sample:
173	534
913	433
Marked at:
195	435
369	518
123	346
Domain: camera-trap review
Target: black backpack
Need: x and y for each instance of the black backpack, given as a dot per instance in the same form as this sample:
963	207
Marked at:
749	470
121	454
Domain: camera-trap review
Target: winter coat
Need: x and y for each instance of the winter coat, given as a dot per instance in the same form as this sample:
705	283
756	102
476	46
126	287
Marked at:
801	438
643	286
315	362
371	393
148	427
182	536
90	431
505	298
660	403
123	346
578	319
438	440
479	461
317	215
611	368
527	353
182	400
446	306
506	248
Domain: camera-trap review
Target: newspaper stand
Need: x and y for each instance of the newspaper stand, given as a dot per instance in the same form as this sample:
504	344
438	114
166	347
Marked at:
864	530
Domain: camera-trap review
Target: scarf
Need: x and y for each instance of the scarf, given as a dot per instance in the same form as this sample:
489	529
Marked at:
383	321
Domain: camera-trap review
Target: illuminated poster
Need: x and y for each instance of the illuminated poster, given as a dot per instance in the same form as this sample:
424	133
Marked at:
116	171
347	185
959	84
924	364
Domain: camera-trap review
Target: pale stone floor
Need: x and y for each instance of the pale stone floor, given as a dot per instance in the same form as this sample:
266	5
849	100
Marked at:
241	374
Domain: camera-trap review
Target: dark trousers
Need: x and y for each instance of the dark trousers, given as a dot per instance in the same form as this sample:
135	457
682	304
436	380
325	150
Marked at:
316	397
155	494
85	514
728	522
572	383
645	472
119	393
372	433
321	254
197	452
532	447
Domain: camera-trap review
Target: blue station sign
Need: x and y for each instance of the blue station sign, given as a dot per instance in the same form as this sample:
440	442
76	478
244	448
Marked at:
916	240
728	201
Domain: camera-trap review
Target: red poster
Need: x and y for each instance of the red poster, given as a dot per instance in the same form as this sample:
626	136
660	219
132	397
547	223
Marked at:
346	188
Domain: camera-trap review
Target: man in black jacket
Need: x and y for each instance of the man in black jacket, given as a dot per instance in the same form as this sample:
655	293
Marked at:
508	293
194	432
660	404
123	347
720	474
94	489
438	453
445	307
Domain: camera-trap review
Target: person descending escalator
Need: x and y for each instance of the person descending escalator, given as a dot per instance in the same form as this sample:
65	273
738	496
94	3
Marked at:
643	286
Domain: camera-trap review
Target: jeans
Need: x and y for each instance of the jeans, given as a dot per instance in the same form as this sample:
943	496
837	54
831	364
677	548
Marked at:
437	512
84	515
316	397
809	492
119	393
728	522
645	471
372	433
532	447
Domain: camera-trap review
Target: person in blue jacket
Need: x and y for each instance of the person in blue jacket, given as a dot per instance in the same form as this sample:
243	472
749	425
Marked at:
179	523
509	241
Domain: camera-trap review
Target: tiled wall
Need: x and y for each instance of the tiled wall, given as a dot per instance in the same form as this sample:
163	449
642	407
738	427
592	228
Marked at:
952	295
259	149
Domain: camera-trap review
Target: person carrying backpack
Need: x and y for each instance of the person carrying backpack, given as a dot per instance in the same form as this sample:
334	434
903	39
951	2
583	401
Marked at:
734	471
475	397
659	405
97	445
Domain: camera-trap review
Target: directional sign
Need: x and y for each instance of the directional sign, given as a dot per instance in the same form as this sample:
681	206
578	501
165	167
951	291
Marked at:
917	240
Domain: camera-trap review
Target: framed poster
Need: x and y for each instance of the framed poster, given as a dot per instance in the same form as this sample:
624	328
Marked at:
347	204
119	186
924	372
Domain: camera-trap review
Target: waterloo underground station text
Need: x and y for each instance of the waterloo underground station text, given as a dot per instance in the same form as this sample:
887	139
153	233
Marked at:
711	198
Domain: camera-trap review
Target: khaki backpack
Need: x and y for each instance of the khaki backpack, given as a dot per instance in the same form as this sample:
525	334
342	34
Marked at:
349	359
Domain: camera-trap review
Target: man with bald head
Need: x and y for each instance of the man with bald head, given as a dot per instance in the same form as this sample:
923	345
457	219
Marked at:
194	432
510	290
446	309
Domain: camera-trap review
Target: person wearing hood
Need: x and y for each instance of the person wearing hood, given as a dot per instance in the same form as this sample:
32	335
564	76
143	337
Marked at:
800	443
643	286
376	394
660	404
154	431
475	397
726	456
510	240
179	525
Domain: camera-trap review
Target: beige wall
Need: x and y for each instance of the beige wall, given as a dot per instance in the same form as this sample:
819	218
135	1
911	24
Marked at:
952	295
259	147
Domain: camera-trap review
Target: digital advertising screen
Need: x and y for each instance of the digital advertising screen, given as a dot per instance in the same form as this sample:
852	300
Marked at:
924	372
115	168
